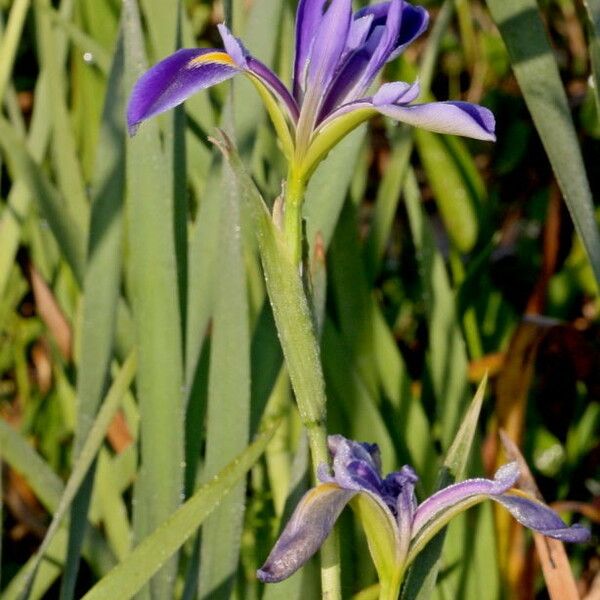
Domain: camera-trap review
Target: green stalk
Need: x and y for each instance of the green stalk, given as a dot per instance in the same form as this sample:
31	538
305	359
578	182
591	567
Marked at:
295	326
389	590
316	428
294	199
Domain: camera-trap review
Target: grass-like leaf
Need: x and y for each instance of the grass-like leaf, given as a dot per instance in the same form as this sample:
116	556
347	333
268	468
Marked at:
101	293
228	415
535	68
87	455
152	553
70	237
423	574
153	287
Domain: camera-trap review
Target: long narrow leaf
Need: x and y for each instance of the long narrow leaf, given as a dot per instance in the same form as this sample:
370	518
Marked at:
153	552
228	401
10	42
423	574
536	71
153	285
101	292
87	455
70	238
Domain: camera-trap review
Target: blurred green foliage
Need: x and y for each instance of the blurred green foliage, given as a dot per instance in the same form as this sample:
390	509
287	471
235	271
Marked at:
445	258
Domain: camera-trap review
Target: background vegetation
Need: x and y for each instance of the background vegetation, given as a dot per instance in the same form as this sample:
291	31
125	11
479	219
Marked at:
129	281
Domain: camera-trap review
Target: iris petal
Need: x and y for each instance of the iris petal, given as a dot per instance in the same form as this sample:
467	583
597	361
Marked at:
539	517
308	17
174	79
246	62
310	524
387	44
328	45
452	495
396	92
455	118
415	20
233	46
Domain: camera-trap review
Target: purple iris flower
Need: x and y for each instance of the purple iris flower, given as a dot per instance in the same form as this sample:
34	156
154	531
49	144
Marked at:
338	57
397	528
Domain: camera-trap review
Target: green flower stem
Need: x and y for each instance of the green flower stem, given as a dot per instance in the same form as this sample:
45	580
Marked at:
330	550
295	326
294	198
389	590
317	433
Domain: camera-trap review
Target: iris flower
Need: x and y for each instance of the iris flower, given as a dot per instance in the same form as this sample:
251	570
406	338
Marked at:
338	57
397	528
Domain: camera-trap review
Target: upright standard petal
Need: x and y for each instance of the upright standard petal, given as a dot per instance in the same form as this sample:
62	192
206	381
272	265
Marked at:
384	49
308	17
415	20
310	524
328	45
455	118
174	79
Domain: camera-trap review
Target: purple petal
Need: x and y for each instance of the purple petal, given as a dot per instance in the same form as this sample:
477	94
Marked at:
385	47
362	66
354	65
274	84
233	46
310	524
456	118
245	61
356	466
359	31
401	487
328	45
174	79
396	92
441	501
539	517
415	20
308	17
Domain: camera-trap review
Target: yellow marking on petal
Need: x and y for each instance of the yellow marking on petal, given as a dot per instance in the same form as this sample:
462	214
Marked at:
522	494
221	58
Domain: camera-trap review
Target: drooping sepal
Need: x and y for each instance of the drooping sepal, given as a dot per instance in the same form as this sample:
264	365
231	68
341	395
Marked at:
537	516
454	118
174	79
307	529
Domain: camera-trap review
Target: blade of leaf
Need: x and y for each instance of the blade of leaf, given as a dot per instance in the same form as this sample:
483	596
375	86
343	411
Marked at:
386	203
89	450
536	71
423	574
593	12
153	287
228	401
163	22
100	294
63	149
456	200
69	236
10	42
447	358
331	181
152	553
